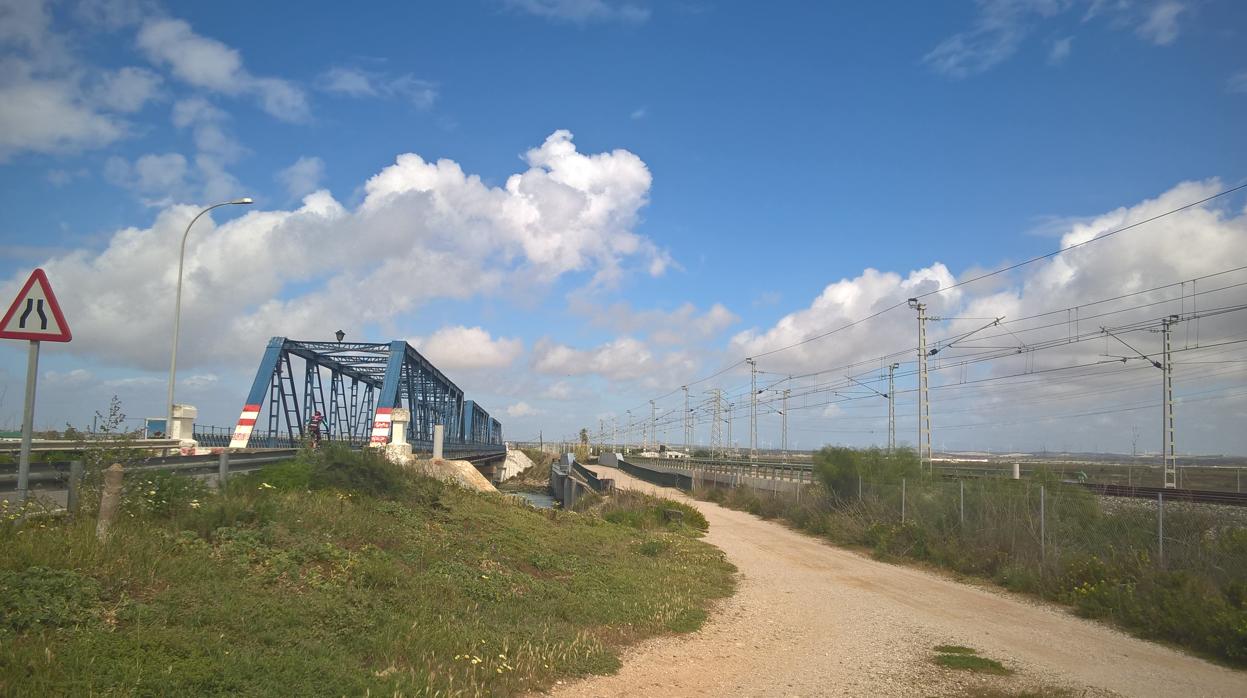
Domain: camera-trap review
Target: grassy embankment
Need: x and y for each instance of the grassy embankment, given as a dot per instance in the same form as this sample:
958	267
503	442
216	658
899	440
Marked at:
1102	560
337	575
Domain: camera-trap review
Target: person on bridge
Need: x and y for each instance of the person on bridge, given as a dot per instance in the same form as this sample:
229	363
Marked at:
313	428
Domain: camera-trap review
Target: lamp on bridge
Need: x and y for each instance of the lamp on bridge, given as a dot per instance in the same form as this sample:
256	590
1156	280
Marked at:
340	335
177	303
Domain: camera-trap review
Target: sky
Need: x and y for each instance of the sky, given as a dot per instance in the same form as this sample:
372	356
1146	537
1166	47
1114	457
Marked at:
574	207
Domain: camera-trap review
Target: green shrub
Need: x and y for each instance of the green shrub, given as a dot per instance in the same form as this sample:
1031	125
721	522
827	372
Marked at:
42	597
641	511
291	475
162	494
337	467
839	468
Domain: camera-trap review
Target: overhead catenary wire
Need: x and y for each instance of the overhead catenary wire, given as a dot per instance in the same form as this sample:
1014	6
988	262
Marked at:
1003	270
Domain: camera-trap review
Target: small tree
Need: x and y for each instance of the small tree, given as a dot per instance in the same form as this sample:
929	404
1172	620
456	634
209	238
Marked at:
582	448
840	467
114	443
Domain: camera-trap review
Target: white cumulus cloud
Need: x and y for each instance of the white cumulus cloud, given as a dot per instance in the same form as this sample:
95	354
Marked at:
443	233
522	409
462	347
684	325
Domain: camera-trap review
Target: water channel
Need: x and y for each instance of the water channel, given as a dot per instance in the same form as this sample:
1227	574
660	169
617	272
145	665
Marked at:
541	500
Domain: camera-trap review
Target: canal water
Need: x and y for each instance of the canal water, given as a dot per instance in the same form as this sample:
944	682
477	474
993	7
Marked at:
541	500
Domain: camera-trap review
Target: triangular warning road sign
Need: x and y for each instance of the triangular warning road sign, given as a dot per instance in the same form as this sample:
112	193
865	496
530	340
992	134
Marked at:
35	313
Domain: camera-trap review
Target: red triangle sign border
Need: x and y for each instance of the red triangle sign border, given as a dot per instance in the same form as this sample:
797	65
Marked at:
37	276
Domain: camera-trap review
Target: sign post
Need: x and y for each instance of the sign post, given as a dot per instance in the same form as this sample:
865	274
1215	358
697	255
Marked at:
35	316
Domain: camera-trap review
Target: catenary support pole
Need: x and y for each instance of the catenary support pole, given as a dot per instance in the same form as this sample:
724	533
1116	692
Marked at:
924	402
892	406
1171	459
688	425
653	425
787	391
753	409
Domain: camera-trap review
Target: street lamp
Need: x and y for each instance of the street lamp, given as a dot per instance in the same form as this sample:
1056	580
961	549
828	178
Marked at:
340	335
177	304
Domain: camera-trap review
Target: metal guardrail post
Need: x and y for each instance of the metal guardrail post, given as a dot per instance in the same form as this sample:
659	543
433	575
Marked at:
222	471
75	486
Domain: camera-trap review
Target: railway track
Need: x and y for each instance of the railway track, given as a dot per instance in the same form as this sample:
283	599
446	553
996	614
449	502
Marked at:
1238	499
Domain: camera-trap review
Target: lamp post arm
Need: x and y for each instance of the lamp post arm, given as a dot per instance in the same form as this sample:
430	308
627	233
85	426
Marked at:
177	313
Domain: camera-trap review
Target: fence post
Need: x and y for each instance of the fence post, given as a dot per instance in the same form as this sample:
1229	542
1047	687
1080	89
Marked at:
75	487
902	500
962	503
1043	525
110	500
1160	528
222	476
859	487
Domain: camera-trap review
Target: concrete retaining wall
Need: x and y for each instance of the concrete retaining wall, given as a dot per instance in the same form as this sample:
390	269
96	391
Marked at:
655	476
569	481
515	464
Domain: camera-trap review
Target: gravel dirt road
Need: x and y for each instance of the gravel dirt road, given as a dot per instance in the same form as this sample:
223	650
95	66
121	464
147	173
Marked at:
810	619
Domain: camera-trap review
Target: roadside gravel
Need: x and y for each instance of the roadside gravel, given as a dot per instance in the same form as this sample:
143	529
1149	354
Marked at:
811	619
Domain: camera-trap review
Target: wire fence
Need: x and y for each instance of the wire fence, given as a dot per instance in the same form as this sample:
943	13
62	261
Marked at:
1174	570
1039	524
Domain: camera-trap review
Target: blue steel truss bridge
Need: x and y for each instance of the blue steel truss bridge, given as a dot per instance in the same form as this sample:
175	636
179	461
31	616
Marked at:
356	386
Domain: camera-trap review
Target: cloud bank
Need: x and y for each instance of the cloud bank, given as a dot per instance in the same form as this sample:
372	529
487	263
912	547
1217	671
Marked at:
424	230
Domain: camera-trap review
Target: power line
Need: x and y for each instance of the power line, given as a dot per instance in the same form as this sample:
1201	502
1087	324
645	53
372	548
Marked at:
980	277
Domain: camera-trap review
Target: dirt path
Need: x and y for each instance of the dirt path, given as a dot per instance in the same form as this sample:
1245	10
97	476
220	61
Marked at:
812	619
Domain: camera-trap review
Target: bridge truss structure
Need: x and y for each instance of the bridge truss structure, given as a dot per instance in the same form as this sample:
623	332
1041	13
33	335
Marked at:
356	386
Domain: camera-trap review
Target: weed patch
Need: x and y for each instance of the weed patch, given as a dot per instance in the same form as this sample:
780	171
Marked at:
967	659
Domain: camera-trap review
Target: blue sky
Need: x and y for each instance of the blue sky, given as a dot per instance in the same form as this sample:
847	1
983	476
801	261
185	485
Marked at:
739	158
